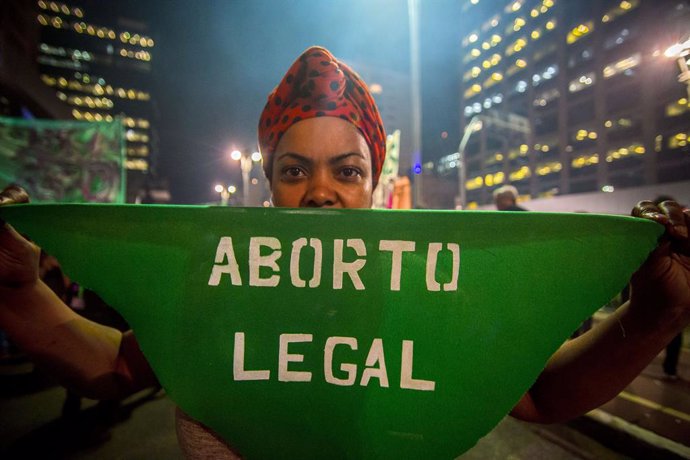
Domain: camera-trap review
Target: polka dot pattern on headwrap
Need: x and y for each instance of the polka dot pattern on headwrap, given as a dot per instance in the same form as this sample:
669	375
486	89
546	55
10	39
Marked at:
318	85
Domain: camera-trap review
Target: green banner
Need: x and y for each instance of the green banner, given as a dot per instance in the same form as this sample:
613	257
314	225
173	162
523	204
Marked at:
64	161
344	333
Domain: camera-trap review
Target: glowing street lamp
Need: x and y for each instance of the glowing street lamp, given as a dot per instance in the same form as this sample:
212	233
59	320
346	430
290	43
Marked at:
225	193
247	161
680	52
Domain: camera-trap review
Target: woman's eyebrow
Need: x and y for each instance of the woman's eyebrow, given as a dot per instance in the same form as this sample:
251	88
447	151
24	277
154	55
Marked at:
294	156
345	156
307	160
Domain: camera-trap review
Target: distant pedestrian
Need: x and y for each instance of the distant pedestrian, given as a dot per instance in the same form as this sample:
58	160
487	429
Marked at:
506	199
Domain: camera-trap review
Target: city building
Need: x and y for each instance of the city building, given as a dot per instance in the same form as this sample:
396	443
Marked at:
563	97
22	93
96	59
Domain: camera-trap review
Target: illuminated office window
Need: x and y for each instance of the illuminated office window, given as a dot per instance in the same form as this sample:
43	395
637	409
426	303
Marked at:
677	108
679	140
136	136
583	161
521	86
582	82
520	174
580	31
517	46
551	167
584	135
547	74
138	151
545	97
622	66
619	10
136	164
626	151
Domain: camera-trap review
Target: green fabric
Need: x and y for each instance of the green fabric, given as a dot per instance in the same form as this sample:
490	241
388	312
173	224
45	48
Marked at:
64	161
526	281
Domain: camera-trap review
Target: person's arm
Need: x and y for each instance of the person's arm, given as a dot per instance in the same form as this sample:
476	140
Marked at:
595	367
95	360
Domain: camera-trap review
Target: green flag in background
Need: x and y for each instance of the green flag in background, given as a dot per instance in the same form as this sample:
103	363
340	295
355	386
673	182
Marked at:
348	333
64	161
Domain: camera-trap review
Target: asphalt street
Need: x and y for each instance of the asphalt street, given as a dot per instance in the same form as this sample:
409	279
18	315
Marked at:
650	419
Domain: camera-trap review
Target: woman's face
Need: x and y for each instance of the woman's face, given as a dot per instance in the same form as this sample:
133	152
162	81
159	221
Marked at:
322	162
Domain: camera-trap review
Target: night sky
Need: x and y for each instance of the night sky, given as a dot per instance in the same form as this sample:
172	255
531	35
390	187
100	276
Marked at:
216	61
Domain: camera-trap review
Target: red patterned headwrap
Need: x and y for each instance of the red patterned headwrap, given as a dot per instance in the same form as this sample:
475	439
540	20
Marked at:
318	85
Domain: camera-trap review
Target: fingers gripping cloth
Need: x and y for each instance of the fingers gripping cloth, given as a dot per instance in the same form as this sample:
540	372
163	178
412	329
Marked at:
318	85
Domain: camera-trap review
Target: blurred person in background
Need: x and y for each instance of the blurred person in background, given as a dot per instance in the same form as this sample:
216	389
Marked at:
505	198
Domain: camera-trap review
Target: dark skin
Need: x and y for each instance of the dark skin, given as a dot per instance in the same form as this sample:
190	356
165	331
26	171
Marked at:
96	361
614	353
504	201
310	172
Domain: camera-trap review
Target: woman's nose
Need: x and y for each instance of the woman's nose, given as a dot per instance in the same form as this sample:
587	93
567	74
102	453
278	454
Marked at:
320	192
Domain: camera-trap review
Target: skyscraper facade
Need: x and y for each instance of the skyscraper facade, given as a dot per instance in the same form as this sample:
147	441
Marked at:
570	97
97	59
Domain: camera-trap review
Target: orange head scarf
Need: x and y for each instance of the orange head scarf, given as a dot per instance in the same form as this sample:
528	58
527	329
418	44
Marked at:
318	85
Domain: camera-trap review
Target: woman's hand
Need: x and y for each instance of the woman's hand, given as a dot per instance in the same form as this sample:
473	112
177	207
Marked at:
593	368
13	194
662	284
19	258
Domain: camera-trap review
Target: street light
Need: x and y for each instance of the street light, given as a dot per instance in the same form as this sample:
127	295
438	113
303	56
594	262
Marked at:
225	193
680	52
475	124
247	161
511	122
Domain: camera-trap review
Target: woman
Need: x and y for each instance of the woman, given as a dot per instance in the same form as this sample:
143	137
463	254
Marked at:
324	145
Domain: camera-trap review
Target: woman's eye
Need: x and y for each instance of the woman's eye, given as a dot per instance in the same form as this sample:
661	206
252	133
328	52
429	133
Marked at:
293	171
350	172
